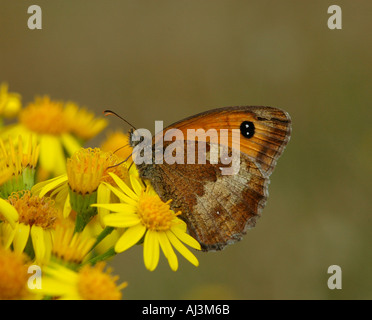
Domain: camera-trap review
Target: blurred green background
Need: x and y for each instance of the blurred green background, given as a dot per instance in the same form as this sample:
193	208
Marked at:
165	60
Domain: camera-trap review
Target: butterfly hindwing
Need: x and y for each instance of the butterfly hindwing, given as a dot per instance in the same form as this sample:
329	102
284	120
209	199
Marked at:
218	209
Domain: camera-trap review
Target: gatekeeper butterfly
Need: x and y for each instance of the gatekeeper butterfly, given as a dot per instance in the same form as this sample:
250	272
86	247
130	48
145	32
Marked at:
218	209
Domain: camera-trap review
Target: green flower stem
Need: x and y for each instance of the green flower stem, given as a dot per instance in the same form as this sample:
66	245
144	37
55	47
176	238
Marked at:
70	265
28	175
14	184
81	204
102	257
24	181
105	232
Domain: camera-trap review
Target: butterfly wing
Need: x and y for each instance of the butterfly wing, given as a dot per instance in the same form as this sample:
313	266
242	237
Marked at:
271	135
220	208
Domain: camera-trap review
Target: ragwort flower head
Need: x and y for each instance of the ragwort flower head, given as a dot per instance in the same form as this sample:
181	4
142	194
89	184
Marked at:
145	216
13	275
10	102
60	129
87	283
17	166
32	220
83	185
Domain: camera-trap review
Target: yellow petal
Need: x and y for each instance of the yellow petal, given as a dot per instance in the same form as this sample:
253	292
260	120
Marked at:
55	288
119	220
181	248
60	272
58	281
186	238
14	131
168	250
128	191
136	185
53	183
21	237
60	159
61	194
120	195
151	250
38	242
130	237
7	233
48	244
12	107
67	207
52	157
10	102
70	143
37	187
103	196
133	171
47	155
178	223
116	207
8	212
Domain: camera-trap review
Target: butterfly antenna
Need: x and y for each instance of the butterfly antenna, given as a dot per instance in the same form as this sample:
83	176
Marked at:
110	112
118	164
130	165
121	148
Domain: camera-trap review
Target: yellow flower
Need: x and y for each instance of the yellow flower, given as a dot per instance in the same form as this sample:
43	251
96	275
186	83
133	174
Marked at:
87	125
88	283
87	169
13	275
118	143
32	220
17	166
10	102
144	214
55	127
69	246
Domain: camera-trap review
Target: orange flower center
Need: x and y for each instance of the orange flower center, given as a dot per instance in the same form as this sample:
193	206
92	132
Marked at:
95	284
34	210
87	168
13	275
44	116
155	214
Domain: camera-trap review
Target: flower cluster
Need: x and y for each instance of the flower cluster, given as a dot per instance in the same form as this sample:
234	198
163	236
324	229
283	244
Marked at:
67	209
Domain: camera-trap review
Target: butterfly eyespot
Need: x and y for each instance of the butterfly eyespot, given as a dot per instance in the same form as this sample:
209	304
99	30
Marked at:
247	129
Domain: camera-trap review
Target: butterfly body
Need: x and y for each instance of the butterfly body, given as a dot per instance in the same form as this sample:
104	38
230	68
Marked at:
219	208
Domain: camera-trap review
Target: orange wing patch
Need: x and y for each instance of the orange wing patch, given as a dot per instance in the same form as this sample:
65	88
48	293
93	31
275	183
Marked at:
272	129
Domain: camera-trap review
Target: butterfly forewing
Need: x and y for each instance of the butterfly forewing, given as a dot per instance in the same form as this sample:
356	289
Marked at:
272	131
